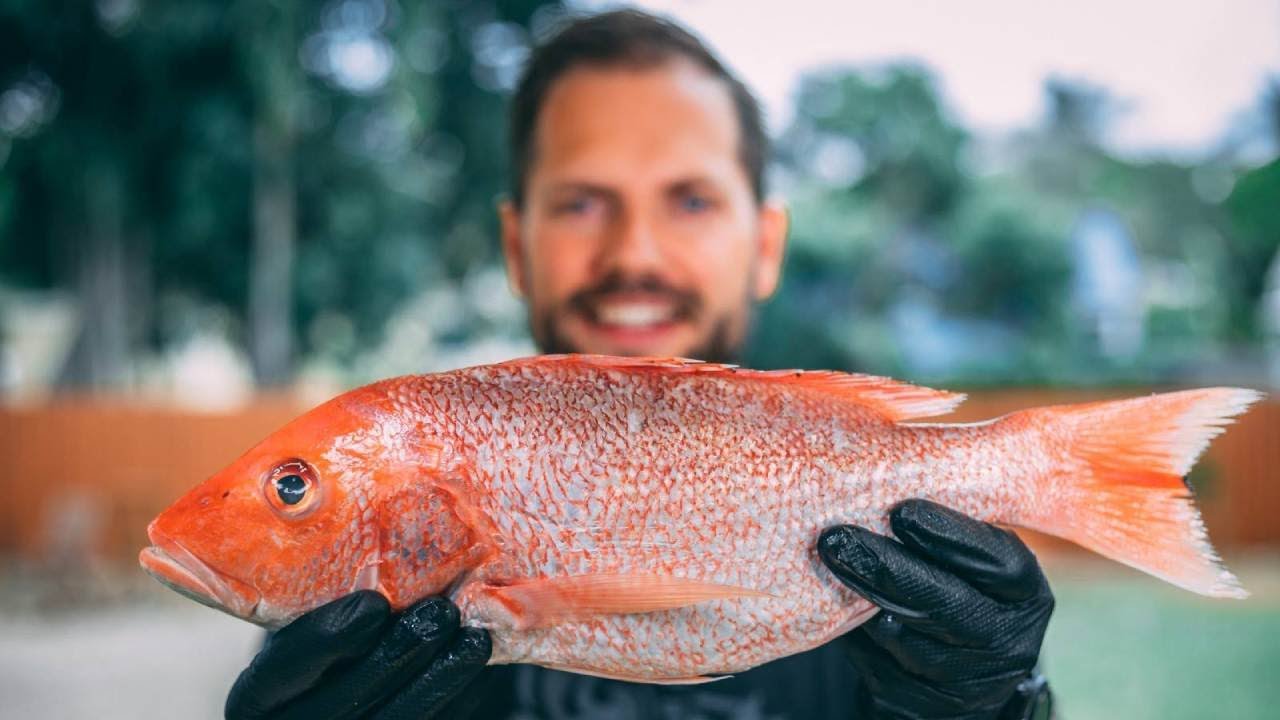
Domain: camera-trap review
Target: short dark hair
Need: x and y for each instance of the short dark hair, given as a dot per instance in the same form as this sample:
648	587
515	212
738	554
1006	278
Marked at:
628	38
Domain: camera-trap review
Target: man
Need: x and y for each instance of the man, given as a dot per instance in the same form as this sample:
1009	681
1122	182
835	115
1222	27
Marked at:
638	225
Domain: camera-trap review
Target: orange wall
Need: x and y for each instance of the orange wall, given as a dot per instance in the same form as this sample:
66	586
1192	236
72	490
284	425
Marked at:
104	468
126	462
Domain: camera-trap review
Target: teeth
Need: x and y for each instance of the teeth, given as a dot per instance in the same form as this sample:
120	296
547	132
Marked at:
633	314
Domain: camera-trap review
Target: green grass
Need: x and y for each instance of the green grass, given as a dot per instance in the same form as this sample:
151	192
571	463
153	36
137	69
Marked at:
1123	645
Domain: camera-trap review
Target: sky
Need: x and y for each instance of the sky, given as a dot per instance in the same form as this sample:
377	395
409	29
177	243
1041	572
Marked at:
1184	71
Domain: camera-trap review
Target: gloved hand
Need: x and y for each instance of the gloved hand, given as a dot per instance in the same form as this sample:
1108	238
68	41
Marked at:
964	610
352	658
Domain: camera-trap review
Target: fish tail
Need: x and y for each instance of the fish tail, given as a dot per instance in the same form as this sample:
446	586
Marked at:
1118	488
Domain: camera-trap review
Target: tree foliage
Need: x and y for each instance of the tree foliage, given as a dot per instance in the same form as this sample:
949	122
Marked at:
143	176
300	173
920	250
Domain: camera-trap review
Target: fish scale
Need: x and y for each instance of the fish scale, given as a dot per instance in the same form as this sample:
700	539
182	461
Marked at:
720	538
655	519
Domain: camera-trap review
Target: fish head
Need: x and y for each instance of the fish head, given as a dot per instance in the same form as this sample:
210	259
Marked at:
290	525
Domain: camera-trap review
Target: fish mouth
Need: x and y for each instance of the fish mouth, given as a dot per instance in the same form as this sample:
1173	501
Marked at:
180	570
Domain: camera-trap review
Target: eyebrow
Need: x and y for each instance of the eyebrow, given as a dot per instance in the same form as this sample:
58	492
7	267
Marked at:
694	182
678	185
577	186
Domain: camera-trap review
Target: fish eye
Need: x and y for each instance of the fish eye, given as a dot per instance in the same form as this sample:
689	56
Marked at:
291	488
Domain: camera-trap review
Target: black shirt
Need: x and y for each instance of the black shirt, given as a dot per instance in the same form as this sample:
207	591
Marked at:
816	684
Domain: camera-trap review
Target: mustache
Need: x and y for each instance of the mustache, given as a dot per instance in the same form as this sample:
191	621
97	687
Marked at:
686	303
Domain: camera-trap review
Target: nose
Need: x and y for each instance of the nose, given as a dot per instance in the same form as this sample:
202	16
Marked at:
633	245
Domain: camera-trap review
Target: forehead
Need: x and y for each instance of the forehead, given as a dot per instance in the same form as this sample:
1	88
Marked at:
666	120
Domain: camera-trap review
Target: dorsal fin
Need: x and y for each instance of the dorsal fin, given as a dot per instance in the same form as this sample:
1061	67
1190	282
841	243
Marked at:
894	399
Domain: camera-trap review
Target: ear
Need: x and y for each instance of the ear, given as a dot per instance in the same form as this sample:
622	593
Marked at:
512	248
771	245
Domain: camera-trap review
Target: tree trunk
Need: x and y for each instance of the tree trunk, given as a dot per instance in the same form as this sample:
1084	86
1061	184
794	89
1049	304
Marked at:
274	194
271	268
100	356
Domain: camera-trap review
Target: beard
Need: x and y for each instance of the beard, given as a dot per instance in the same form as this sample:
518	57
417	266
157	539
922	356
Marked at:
719	346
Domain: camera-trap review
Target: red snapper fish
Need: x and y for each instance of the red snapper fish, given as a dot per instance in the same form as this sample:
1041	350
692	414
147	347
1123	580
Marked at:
656	519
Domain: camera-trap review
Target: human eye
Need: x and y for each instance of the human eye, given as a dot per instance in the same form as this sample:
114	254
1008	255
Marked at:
694	203
576	205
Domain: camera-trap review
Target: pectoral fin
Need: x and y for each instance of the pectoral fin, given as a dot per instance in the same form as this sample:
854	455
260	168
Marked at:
549	601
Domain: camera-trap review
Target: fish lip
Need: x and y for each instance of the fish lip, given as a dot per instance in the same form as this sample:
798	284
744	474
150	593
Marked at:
169	572
180	570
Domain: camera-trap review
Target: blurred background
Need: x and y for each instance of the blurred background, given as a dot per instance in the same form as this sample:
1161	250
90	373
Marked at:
214	214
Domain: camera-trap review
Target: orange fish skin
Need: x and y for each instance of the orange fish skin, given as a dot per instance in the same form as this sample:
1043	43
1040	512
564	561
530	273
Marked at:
656	519
256	561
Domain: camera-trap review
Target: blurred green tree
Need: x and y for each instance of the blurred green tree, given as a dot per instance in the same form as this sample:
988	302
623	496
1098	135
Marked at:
1254	210
891	222
882	136
282	160
1253	235
311	167
102	117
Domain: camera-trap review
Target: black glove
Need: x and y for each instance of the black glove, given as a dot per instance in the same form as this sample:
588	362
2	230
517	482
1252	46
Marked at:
352	658
964	610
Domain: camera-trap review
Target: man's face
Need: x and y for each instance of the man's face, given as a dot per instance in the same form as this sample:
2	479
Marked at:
639	233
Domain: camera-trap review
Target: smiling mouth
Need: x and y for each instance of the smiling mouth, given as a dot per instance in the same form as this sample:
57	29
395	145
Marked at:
634	315
630	312
178	569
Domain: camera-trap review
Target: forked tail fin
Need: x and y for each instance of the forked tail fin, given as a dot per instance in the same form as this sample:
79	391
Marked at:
1120	491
